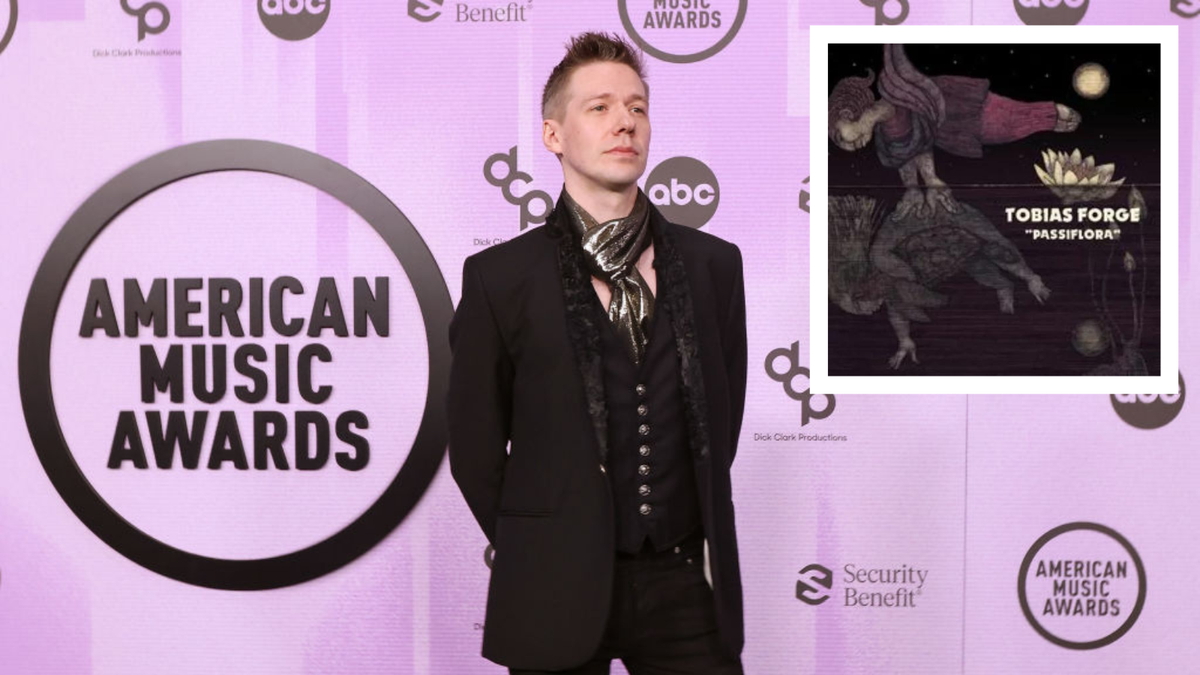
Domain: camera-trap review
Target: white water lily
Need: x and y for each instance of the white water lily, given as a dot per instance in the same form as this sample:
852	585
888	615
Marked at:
1075	178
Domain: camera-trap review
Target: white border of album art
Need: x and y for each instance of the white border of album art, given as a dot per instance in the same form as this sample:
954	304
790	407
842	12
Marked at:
823	383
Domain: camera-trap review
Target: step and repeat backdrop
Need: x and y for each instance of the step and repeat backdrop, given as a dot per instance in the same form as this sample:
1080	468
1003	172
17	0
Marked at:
233	235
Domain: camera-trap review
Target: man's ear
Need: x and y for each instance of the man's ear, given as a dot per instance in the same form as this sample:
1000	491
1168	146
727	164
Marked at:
550	139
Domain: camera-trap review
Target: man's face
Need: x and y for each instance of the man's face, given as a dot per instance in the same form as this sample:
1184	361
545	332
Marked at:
603	135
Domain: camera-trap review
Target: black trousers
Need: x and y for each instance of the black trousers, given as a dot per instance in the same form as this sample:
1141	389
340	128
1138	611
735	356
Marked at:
662	618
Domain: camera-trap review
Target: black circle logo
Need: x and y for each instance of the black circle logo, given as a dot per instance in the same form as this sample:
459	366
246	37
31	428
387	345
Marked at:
1089	591
674	19
1149	411
294	20
685	190
41	308
11	28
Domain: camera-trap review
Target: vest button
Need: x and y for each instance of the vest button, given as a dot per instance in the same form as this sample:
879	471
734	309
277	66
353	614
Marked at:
644	451
644	429
643	490
642	410
644	470
645	509
602	469
641	390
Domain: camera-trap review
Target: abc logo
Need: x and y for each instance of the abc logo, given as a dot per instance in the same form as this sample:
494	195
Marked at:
1051	12
685	190
293	19
814	584
1149	411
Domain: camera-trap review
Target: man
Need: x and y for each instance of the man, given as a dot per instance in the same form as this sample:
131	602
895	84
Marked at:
607	349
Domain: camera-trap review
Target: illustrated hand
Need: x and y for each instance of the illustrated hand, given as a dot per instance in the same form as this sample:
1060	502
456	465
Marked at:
1039	290
907	348
910	203
939	196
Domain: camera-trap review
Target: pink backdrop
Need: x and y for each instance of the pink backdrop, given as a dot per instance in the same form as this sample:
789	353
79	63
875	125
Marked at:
952	491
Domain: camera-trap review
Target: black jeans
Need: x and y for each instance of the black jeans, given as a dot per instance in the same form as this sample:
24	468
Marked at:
662	618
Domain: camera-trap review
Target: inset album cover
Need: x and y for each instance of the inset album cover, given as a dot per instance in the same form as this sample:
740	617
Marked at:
997	216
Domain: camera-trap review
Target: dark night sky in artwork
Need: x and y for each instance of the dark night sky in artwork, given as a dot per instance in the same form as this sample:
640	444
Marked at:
970	335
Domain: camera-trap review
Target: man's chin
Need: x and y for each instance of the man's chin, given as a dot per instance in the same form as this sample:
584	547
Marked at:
621	183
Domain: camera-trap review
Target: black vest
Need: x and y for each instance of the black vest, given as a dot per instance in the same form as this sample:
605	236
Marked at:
654	484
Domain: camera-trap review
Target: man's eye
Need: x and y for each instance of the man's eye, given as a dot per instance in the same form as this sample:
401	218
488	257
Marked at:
600	106
638	109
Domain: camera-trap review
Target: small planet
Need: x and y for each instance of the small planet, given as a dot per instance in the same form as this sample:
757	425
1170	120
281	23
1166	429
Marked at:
1089	338
1091	80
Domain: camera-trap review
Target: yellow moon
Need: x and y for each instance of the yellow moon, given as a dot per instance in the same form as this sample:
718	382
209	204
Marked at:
1091	80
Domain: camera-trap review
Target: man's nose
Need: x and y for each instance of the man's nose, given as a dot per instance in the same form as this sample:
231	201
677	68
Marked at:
626	122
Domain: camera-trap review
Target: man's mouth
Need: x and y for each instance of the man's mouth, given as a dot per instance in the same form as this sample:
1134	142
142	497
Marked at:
622	150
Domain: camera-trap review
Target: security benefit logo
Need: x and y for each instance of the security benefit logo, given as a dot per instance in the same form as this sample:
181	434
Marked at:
1149	411
860	586
1082	585
426	11
232	362
682	31
1186	8
685	190
293	20
1051	12
501	171
783	366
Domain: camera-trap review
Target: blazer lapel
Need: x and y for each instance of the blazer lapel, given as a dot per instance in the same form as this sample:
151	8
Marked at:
582	327
675	297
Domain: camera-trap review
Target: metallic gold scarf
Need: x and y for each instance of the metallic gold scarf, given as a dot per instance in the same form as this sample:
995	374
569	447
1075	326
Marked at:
610	252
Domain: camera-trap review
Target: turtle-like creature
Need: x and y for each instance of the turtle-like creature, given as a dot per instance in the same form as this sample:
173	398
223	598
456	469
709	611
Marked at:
898	261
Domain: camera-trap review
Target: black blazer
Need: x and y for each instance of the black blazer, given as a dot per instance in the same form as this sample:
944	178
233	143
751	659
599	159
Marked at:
528	436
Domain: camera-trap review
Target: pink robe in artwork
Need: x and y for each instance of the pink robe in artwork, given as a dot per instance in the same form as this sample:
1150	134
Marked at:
974	117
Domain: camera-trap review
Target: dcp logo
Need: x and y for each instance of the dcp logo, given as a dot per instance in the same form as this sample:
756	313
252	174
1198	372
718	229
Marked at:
425	10
888	12
505	183
685	190
1149	411
163	18
293	19
787	377
1051	12
10	24
813	587
682	31
1185	8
